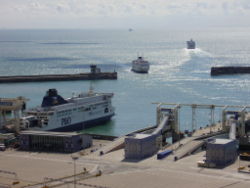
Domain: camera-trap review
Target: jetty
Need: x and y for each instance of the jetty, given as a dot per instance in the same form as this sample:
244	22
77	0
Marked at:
216	71
94	74
204	156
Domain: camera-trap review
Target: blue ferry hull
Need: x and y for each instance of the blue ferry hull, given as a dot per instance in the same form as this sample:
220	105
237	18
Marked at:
83	125
143	72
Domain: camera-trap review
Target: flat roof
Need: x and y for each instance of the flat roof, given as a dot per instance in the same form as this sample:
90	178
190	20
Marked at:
140	136
50	133
221	141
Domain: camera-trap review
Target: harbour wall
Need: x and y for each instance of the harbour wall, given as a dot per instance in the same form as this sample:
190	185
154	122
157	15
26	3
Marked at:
216	71
58	77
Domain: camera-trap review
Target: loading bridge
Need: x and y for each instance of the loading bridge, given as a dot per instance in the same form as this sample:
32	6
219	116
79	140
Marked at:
142	144
234	119
139	146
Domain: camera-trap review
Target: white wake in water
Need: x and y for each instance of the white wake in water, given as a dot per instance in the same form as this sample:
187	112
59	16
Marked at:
197	52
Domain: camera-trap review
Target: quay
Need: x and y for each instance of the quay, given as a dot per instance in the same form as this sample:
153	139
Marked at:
95	74
216	71
146	143
110	163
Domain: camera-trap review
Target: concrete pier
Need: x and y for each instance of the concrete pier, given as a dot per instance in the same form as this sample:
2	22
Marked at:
216	71
59	77
95	74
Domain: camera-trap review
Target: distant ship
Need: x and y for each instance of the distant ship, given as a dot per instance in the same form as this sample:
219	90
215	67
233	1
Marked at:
140	65
72	114
190	44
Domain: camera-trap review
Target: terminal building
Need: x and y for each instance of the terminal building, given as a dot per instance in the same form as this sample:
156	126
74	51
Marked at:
140	146
67	142
221	152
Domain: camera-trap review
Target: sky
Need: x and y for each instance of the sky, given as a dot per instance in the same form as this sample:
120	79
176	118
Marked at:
106	14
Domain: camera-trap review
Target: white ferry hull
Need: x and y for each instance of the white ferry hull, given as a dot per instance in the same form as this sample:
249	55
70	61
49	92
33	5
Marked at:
73	114
83	125
140	65
140	69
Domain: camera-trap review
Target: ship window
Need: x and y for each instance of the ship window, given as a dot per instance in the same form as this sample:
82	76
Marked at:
68	112
106	110
81	109
87	109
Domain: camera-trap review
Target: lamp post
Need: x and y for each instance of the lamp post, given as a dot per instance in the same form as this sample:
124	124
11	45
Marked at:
74	158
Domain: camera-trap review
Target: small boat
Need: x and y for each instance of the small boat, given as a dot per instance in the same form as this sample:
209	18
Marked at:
190	44
140	65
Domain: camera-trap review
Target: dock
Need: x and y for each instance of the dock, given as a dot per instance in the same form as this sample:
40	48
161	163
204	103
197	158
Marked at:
104	164
95	74
216	71
188	145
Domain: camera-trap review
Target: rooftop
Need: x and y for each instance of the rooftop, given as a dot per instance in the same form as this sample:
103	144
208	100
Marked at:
221	141
49	133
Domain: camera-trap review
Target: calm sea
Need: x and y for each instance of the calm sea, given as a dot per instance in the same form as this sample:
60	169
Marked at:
176	75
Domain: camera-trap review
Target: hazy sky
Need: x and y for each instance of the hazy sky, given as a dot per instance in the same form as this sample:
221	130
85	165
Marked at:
123	13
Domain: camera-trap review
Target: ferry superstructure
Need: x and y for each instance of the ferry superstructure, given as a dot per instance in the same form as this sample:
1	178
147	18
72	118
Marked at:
72	114
191	44
140	65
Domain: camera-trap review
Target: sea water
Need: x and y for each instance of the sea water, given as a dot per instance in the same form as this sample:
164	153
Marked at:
176	75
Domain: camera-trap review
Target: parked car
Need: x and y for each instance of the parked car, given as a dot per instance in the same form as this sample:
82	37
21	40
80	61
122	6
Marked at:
2	147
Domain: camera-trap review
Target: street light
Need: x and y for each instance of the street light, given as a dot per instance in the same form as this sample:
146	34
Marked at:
74	158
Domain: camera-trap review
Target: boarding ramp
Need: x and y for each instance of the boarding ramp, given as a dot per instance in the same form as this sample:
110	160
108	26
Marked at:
120	142
146	142
163	126
232	131
189	145
237	116
188	149
140	146
115	145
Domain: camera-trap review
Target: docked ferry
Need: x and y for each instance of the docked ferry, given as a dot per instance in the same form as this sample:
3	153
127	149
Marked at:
72	114
140	65
190	44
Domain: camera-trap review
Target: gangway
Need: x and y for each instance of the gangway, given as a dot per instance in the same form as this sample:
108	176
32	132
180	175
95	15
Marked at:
115	145
235	120
141	145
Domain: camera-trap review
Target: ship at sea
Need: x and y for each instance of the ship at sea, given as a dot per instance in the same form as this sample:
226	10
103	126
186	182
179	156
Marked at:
72	114
191	44
140	65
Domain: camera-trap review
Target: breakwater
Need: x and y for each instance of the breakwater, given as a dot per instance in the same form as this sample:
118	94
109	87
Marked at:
58	77
216	71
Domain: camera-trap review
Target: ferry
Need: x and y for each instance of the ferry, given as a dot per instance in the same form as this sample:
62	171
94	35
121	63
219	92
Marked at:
191	44
140	65
72	114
